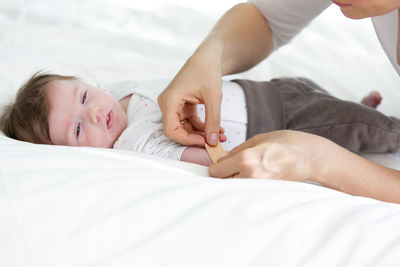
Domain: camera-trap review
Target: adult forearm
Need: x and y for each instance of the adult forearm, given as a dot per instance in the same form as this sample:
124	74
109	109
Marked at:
343	170
240	39
298	156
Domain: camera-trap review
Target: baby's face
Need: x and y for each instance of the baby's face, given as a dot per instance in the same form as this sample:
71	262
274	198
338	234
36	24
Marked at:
83	115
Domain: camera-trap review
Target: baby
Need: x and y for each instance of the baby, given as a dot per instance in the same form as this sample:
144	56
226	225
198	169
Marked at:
63	110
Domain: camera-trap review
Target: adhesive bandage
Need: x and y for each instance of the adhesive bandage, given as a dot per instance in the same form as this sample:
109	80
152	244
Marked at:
216	152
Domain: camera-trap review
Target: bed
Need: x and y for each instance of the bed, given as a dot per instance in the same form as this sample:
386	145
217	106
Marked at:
66	206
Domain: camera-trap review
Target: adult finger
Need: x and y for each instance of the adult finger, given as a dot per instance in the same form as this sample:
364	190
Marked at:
189	128
225	168
237	175
174	130
196	123
222	137
190	138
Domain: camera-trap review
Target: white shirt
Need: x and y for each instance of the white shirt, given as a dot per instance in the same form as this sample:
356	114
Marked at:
144	132
287	18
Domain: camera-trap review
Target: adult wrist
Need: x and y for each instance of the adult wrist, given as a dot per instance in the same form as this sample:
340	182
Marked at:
319	165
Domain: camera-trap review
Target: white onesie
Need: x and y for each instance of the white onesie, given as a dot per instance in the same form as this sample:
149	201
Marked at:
144	132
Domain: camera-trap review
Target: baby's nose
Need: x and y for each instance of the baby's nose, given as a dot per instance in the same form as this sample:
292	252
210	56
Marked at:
94	113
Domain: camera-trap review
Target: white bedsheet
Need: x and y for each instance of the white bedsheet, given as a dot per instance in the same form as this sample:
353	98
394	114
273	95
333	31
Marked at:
80	207
65	206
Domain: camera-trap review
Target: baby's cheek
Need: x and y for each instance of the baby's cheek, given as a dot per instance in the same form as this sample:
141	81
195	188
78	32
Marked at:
99	139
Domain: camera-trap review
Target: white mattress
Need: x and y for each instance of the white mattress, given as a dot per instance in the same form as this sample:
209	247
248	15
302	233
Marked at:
65	206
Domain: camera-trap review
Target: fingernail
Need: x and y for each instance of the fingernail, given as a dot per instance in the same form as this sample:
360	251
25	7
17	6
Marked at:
213	139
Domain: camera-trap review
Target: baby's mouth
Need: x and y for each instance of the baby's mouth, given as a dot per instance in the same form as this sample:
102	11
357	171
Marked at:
110	119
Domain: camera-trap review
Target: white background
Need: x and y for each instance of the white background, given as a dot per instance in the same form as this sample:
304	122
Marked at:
107	41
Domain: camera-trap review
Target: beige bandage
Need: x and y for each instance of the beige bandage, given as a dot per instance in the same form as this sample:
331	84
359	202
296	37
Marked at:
216	152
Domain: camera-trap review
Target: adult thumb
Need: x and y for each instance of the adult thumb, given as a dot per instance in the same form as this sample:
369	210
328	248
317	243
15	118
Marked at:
212	120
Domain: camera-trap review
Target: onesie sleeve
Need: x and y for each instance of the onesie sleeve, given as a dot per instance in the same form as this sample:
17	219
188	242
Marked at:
148	138
287	18
145	133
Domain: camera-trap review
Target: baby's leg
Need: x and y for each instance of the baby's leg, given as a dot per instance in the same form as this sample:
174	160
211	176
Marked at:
356	127
264	107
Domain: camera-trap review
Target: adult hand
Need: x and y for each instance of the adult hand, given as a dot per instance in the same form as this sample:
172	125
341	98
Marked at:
198	82
239	40
284	154
298	156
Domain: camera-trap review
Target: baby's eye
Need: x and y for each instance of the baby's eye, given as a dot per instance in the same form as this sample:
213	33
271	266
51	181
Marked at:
78	130
84	97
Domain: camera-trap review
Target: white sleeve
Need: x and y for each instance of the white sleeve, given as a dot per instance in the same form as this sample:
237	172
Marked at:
287	18
148	138
144	132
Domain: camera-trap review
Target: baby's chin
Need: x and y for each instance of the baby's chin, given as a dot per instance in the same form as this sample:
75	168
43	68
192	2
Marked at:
107	142
111	145
118	135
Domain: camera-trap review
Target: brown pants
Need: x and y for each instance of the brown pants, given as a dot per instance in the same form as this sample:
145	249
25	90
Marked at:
300	104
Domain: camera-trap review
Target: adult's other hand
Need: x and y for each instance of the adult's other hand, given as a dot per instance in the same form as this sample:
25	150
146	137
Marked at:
284	154
299	156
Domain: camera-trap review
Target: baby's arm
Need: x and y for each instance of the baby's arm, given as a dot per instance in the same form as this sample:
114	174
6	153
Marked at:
196	155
